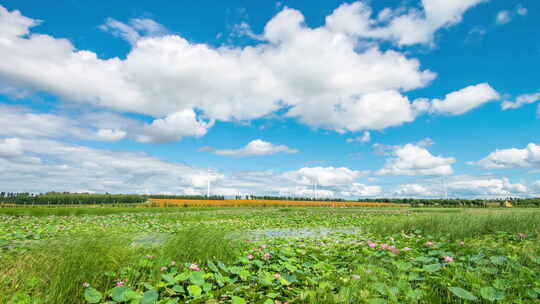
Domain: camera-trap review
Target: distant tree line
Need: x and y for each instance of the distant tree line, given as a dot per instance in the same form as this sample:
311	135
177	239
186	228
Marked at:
66	198
525	202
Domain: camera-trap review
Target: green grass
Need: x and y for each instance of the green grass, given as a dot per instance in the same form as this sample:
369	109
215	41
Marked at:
54	271
462	225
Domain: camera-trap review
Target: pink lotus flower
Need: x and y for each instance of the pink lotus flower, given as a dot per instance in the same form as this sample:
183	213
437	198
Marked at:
194	267
163	268
86	284
429	243
406	249
173	263
119	283
267	256
371	244
263	246
448	259
277	276
385	246
462	243
250	256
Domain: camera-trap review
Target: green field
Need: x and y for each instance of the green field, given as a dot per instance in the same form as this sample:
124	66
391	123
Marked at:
269	255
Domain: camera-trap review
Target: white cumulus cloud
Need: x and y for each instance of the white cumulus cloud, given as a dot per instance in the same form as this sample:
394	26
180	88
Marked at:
332	76
358	189
486	186
415	190
528	157
39	165
257	147
10	147
463	186
414	159
405	27
323	176
174	127
464	100
520	101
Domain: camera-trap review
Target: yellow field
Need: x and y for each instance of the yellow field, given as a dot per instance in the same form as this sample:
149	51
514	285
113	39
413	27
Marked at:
261	203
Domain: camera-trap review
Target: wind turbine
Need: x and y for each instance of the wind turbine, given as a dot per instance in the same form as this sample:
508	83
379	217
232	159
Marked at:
211	173
315	182
445	190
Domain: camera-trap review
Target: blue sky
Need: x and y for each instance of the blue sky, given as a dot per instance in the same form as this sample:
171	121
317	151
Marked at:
363	99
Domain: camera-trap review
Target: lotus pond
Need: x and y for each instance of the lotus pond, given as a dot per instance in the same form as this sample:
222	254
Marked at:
269	255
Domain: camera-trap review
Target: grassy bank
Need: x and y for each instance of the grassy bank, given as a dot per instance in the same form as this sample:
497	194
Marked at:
55	271
79	211
462	225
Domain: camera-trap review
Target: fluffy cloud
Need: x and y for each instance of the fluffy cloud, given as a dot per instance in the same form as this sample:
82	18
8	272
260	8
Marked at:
405	27
463	186
45	165
323	176
358	189
529	157
366	137
99	126
332	76
520	101
257	147
174	127
329	182
10	147
415	190
134	30
486	187
18	121
40	165
414	159
464	100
